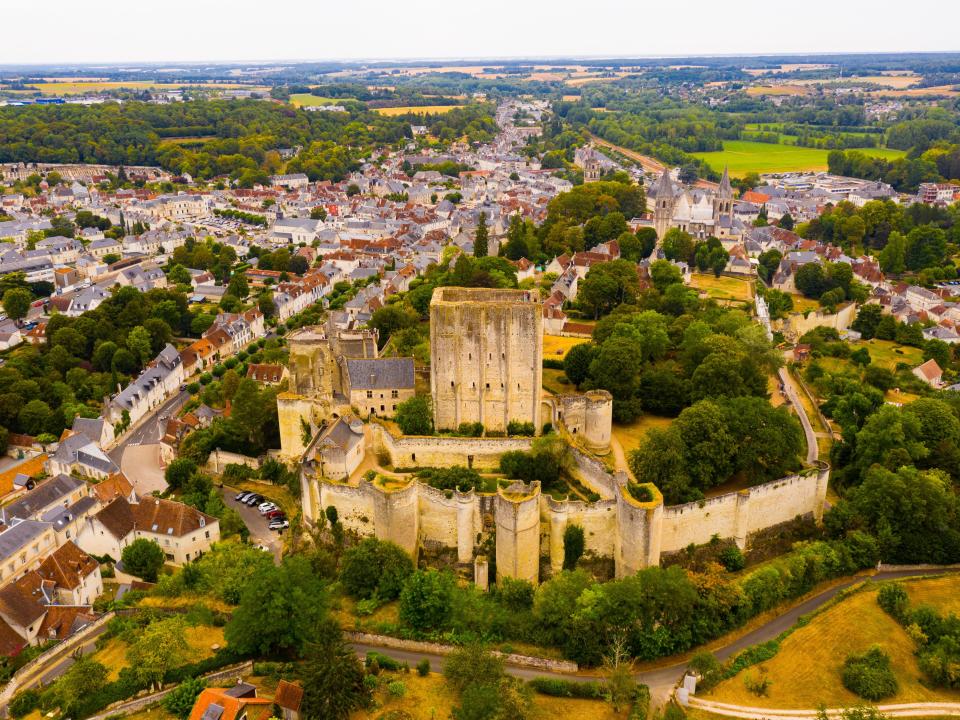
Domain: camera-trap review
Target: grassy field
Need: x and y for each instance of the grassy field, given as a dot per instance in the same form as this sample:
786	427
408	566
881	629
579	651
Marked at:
418	110
308	100
201	637
556	347
744	156
429	698
803	304
723	288
631	436
551	382
884	353
806	671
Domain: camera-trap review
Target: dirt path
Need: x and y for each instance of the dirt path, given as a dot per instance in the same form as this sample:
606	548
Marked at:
790	388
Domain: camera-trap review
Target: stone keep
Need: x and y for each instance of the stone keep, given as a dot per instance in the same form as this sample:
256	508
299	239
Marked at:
486	357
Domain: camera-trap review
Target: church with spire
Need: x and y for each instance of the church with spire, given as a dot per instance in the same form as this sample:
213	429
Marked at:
700	211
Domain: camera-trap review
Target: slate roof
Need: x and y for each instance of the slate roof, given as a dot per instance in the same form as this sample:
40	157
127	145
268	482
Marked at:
47	493
380	373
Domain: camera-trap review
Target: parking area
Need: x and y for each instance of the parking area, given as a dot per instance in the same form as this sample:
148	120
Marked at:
257	524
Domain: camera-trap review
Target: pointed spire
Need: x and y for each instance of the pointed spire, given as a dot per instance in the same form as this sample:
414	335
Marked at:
725	188
665	186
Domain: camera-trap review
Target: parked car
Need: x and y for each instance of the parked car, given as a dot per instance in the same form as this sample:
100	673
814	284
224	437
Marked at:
276	515
242	495
252	500
279	524
268	508
265	503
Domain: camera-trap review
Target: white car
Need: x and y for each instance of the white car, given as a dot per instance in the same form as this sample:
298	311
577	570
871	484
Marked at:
267	507
279	524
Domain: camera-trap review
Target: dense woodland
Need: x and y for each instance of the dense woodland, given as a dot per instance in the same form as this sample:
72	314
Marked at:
240	138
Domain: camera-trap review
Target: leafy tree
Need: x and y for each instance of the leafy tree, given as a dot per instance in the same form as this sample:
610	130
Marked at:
869	674
573	545
139	343
678	245
470	664
426	598
332	676
663	274
576	363
85	677
280	608
415	416
143	558
390	319
16	303
608	285
179	472
160	646
375	568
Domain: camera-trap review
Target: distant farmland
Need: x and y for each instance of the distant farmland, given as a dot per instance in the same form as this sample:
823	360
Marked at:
743	156
308	100
84	88
417	110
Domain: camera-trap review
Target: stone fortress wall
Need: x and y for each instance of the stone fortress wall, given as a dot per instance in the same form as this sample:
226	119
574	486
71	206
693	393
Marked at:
529	524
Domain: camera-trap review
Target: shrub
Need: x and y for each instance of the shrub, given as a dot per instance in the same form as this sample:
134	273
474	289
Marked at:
470	429
555	687
514	594
869	675
193	388
238	472
708	668
732	559
423	668
458	476
641	703
525	429
25	703
397	689
894	601
759	685
573	545
640	493
181	699
382	662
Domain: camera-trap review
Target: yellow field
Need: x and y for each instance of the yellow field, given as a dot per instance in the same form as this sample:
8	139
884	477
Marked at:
805	673
723	287
429	698
419	110
777	90
631	436
83	88
556	347
803	304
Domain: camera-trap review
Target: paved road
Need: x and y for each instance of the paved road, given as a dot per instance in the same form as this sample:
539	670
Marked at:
138	454
662	680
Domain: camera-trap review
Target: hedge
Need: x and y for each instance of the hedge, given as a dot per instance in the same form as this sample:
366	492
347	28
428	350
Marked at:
556	687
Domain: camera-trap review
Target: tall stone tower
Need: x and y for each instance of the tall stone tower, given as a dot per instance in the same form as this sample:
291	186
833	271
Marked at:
486	357
723	200
664	200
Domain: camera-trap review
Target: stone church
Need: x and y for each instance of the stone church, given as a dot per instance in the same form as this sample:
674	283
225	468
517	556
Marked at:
702	212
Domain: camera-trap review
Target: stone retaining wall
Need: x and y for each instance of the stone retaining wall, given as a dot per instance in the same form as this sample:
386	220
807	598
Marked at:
386	641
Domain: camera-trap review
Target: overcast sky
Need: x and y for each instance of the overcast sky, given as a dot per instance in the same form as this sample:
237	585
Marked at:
125	31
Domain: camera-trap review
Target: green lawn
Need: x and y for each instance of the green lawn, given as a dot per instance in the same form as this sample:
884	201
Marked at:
743	157
306	99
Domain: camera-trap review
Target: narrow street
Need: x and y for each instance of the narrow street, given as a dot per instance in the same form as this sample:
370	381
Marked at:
138	454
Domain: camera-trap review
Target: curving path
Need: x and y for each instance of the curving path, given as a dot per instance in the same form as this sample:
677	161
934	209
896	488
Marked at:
662	680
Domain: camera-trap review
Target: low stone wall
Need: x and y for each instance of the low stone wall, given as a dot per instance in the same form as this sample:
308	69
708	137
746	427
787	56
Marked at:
219	459
428	451
131	706
595	476
386	641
